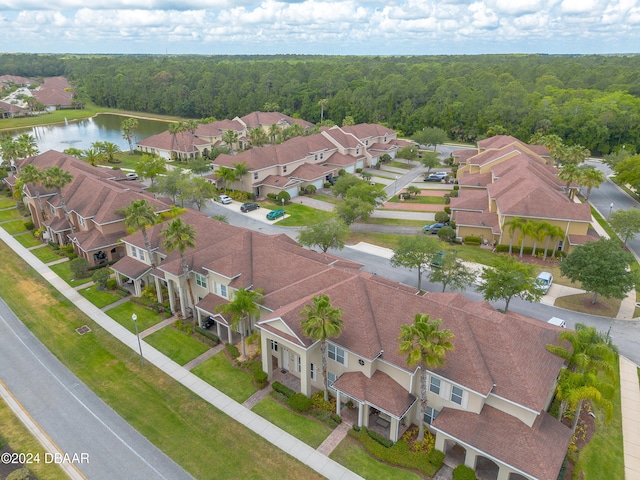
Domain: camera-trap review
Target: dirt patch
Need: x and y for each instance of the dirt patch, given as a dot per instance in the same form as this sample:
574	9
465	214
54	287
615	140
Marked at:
531	260
584	431
413	207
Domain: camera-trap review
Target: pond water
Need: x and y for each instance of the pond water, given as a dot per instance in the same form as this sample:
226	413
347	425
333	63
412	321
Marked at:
82	133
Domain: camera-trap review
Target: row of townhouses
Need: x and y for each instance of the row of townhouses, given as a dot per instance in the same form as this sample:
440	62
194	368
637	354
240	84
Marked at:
487	405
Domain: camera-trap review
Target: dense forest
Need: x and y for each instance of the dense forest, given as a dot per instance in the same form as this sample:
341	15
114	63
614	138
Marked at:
590	100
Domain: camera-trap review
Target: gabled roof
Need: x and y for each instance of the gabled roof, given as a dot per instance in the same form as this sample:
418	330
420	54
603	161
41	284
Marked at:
265	119
310	172
368	130
218	127
478	219
181	142
54	91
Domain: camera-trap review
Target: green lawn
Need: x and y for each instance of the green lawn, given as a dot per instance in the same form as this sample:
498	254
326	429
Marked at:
308	430
300	215
7	203
350	454
100	298
218	372
45	254
172	417
64	272
395	221
326	198
10	214
398	164
178	346
28	240
17	226
123	312
420	199
603	456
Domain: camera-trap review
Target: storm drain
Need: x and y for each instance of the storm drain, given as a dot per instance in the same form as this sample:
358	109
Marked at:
83	329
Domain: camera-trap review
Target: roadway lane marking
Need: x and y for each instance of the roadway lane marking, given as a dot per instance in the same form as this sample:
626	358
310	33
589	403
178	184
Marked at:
36	430
77	399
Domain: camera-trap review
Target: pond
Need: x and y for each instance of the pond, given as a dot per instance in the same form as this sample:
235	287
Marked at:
82	133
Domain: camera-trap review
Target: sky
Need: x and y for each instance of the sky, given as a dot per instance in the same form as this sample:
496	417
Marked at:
342	27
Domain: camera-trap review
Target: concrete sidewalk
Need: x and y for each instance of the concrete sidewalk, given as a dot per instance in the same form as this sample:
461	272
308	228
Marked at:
630	406
275	435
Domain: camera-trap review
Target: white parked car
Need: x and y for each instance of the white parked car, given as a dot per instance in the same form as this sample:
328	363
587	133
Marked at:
225	199
132	176
544	282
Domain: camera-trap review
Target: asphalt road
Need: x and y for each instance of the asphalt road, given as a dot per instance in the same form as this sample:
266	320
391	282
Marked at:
72	416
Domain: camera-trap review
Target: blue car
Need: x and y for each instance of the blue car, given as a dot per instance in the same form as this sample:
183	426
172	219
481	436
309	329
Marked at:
433	228
275	214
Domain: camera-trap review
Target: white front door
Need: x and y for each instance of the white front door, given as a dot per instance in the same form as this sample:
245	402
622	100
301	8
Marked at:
285	359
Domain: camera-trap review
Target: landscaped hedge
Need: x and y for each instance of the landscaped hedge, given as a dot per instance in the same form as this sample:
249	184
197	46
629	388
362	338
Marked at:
385	442
469	240
260	378
400	454
283	389
232	350
462	472
299	402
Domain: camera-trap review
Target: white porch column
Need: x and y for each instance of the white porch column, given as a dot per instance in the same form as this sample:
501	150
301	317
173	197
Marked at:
218	330
229	334
183	300
172	296
265	348
366	410
470	458
158	284
393	429
440	445
305	381
503	472
360	413
337	402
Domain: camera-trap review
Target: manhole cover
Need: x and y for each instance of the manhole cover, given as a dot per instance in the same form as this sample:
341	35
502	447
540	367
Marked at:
83	329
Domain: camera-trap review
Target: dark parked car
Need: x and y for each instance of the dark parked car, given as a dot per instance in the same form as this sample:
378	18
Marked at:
248	207
274	214
433	178
433	228
208	323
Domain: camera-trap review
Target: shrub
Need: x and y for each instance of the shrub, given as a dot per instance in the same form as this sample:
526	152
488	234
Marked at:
447	199
283	389
462	472
453	194
100	277
356	428
327	185
385	442
283	196
232	351
310	189
67	251
446	234
272	196
20	474
278	397
260	379
358	170
447	210
111	283
442	217
183	327
336	418
299	402
469	240
317	400
29	225
79	267
206	333
342	172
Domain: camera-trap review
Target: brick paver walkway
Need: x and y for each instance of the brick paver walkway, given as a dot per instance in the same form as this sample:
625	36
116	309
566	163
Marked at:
334	439
205	356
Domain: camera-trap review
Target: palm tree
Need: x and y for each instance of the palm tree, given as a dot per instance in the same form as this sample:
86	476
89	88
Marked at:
274	131
243	307
31	174
591	352
179	235
258	137
426	346
516	224
323	104
139	215
576	154
230	137
174	129
526	229
552	232
228	175
591	177
109	150
320	321
57	178
129	128
27	145
240	170
538	231
569	173
91	156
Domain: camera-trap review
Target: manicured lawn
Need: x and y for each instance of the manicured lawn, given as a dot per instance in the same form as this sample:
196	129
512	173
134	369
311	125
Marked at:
399	164
45	254
218	372
424	199
326	198
387	240
64	272
100	298
606	307
350	454
20	440
603	456
308	430
207	443
17	226
300	215
10	214
7	202
28	240
123	312
394	221
178	346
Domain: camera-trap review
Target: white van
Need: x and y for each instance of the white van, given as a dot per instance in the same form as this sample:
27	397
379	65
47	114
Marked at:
558	322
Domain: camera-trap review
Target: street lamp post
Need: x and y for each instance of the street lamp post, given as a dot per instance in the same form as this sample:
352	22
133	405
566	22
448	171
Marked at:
610	209
134	317
282	203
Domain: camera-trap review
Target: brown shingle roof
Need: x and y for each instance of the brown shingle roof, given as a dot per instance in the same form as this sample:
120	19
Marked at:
131	267
264	119
181	142
539	451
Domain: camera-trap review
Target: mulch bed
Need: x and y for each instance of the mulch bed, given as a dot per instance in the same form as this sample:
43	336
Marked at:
584	431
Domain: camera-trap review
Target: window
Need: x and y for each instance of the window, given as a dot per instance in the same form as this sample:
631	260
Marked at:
434	385
141	254
134	252
456	395
81	221
274	345
430	415
298	364
223	290
316	157
313	371
336	353
321	156
331	378
201	280
255	175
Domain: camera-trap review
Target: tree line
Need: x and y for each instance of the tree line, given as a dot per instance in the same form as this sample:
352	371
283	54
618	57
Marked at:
587	100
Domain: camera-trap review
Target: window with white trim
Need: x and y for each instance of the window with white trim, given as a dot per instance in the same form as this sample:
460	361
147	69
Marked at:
255	175
221	290
430	415
331	377
434	385
141	254
336	353
81	221
201	280
274	345
298	364
134	252
312	369
456	395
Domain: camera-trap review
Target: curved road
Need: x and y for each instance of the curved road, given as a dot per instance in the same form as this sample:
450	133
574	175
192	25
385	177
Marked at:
72	416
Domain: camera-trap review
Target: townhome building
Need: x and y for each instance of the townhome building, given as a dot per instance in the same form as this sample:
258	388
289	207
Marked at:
506	183
94	200
487	407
